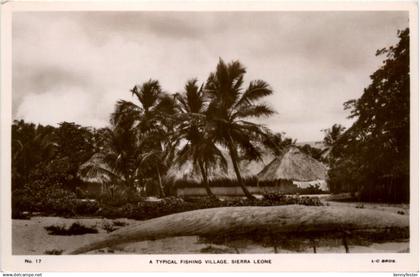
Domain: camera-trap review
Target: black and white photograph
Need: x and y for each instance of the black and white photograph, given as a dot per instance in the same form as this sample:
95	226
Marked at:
211	132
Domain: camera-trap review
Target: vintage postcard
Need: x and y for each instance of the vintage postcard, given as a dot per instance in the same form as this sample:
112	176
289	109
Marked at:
195	136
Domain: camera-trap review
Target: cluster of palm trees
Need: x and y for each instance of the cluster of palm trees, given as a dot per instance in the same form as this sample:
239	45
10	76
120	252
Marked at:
196	125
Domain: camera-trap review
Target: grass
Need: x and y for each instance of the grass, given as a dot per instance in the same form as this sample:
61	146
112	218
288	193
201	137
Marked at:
75	229
53	252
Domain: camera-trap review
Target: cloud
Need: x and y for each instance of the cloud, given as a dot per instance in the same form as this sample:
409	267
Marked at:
65	104
314	61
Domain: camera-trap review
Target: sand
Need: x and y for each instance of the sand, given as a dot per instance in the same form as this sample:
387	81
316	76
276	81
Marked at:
29	237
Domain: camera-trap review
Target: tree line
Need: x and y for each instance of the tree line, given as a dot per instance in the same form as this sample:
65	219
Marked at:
158	130
372	157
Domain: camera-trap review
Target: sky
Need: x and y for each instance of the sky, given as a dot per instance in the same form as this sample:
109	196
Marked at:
74	66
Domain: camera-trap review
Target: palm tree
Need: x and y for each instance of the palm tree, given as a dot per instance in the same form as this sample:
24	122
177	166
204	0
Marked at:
229	106
151	121
199	148
116	162
333	134
32	146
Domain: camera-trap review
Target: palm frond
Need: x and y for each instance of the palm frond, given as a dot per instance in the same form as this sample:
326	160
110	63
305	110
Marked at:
148	93
257	89
194	96
125	113
253	111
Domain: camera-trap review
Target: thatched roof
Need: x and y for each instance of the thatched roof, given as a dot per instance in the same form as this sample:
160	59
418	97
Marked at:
294	165
252	168
247	168
187	172
95	170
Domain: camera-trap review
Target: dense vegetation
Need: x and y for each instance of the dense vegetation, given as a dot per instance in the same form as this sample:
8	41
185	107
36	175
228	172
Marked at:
146	137
158	130
372	157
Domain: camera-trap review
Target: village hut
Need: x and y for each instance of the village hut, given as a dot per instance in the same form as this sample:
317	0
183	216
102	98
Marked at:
302	169
96	175
188	182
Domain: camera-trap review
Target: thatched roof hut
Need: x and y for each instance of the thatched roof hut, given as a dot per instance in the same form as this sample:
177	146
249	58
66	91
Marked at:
294	165
95	170
186	172
248	169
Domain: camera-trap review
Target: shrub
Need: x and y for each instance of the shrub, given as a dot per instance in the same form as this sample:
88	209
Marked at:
309	201
120	197
39	197
312	189
227	182
275	198
75	229
16	214
146	210
85	207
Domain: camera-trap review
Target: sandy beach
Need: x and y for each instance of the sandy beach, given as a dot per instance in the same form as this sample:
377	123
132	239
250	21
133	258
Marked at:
31	238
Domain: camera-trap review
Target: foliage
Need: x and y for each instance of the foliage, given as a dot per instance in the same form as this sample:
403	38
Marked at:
312	189
314	152
117	198
49	154
44	198
199	147
75	229
31	146
333	134
229	107
146	210
149	124
226	182
292	199
372	156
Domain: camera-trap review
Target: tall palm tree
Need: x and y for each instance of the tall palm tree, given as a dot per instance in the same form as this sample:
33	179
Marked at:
199	147
151	120
229	106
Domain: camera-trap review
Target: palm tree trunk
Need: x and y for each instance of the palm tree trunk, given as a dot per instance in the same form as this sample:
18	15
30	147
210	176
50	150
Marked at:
205	181
161	192
234	157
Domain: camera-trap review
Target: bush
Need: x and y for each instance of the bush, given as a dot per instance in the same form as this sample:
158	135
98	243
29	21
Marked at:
274	198
75	229
311	190
227	182
49	200
56	201
39	197
85	207
146	210
120	197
